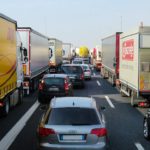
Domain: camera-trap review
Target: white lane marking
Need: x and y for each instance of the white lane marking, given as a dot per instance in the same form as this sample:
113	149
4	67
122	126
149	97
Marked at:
109	102
139	146
99	84
16	129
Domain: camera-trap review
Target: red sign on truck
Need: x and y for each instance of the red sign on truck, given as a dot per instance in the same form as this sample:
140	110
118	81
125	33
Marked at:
128	50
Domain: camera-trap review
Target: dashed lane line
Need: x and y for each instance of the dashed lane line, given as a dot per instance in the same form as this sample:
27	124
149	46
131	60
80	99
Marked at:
139	146
109	102
8	139
99	84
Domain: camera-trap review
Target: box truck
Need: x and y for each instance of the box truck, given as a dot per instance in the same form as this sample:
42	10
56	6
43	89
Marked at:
66	53
35	58
134	66
110	57
97	58
11	73
55	54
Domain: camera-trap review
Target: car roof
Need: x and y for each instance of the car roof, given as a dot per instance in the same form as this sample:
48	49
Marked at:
55	76
82	102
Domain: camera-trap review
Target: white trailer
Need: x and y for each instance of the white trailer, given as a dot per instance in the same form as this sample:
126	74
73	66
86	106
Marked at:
66	54
134	72
35	57
55	54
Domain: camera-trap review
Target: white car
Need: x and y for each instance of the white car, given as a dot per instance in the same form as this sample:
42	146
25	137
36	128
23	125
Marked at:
87	71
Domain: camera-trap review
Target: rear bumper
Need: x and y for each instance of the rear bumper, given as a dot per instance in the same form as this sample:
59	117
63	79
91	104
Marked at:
98	146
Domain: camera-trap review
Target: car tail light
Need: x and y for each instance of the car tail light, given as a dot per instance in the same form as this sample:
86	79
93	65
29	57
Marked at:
82	76
41	85
66	86
99	132
45	131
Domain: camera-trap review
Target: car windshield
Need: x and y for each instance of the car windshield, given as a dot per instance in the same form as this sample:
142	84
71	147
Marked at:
56	81
72	69
73	116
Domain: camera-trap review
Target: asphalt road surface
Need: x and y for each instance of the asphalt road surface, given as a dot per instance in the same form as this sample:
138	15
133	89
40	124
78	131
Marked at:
124	122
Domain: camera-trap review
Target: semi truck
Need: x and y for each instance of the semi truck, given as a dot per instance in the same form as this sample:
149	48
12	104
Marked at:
11	73
55	54
97	58
83	52
134	65
110	58
35	57
66	54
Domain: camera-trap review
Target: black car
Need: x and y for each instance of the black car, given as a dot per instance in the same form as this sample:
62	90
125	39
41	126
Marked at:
146	125
54	85
75	73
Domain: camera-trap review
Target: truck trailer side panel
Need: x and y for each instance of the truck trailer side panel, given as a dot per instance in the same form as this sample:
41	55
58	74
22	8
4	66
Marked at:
8	74
129	60
11	75
109	52
39	54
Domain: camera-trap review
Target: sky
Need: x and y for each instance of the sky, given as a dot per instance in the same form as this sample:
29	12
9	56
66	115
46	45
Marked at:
80	22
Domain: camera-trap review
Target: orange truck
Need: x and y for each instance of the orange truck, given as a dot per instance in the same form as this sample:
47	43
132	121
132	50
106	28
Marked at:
11	73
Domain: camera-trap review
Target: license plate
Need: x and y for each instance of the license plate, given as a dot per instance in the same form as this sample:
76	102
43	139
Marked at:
72	137
53	89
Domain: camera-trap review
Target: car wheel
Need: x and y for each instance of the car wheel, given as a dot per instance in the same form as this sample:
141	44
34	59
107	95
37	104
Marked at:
146	128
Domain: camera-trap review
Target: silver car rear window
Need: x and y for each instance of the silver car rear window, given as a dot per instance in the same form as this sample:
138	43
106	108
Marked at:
73	116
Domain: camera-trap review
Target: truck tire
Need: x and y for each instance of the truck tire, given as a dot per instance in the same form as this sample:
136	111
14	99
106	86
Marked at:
146	128
20	96
6	107
132	99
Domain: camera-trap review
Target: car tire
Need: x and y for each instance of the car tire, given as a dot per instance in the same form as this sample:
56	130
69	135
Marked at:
146	128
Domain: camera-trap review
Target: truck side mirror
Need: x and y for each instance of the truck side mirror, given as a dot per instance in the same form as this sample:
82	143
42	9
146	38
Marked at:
25	51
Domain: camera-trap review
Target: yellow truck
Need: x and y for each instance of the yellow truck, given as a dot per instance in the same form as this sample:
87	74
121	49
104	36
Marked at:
83	51
11	75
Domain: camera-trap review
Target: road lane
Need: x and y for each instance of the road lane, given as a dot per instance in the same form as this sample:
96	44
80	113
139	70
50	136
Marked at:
124	123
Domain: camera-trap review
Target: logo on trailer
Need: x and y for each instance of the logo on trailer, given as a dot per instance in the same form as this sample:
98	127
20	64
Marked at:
128	50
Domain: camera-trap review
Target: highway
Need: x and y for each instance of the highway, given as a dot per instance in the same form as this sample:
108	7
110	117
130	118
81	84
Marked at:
124	122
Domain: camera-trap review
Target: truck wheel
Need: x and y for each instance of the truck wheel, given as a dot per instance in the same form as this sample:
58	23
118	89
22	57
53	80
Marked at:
132	99
20	96
6	107
146	128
